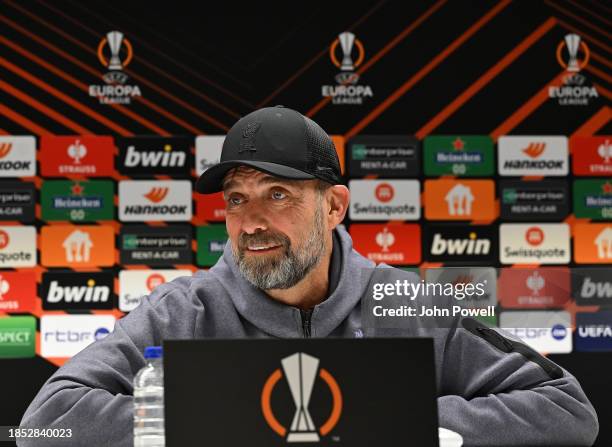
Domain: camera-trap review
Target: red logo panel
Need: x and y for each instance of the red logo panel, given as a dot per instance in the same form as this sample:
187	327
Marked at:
394	244
534	288
591	155
76	155
17	291
210	207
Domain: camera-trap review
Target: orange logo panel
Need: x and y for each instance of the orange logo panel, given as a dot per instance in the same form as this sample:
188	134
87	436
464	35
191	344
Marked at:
338	141
77	246
447	199
593	243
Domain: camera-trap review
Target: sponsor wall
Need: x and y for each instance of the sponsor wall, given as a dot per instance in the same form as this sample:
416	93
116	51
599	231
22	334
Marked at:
459	154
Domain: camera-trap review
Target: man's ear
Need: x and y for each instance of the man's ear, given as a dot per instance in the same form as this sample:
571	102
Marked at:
338	198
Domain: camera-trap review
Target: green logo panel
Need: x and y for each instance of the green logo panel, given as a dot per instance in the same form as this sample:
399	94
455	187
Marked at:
462	155
17	337
211	241
593	199
77	201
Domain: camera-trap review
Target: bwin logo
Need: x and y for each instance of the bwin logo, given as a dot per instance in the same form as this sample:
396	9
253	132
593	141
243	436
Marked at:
157	158
469	246
595	289
76	294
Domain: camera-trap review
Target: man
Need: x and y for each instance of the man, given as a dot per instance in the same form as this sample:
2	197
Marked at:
289	270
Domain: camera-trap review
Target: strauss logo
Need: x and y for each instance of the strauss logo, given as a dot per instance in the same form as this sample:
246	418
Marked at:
77	151
385	239
605	151
156	195
4	287
535	283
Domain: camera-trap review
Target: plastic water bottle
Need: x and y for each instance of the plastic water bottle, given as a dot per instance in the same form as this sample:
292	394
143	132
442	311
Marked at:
149	401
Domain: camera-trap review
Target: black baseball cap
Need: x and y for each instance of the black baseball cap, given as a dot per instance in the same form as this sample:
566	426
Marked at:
278	141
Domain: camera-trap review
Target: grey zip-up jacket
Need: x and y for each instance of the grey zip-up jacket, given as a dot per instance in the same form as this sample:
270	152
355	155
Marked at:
492	389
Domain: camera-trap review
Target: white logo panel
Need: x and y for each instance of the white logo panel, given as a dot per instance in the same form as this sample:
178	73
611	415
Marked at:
17	246
135	284
66	335
546	332
208	151
534	243
154	200
17	156
385	200
532	155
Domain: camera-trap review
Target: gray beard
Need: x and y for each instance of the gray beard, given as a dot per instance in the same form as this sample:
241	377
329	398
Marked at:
288	269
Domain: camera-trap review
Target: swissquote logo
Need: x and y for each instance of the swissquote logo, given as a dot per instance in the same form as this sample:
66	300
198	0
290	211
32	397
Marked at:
147	200
533	155
17	246
347	54
573	55
385	200
17	156
208	151
115	52
155	155
74	290
534	243
90	155
302	373
455	243
135	284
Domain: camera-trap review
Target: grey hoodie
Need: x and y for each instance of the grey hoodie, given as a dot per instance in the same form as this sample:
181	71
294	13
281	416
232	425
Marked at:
492	389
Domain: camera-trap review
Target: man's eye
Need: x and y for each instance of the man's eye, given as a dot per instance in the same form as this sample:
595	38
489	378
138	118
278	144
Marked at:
277	195
235	200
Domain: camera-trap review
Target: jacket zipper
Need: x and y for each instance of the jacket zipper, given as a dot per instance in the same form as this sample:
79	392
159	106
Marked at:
306	320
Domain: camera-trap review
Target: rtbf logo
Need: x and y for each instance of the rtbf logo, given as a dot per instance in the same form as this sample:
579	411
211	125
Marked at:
65	335
155	155
147	200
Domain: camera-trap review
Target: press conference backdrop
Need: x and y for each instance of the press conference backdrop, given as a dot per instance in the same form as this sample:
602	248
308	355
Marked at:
470	133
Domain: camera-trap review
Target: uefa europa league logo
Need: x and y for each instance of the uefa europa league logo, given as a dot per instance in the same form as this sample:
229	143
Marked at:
301	372
346	44
574	44
115	40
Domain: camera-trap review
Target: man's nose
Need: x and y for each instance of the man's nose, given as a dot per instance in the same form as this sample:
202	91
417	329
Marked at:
254	218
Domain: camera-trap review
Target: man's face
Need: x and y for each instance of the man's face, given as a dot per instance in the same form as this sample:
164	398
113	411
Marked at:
275	226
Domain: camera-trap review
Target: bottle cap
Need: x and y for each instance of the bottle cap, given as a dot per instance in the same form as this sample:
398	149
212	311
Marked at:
153	352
